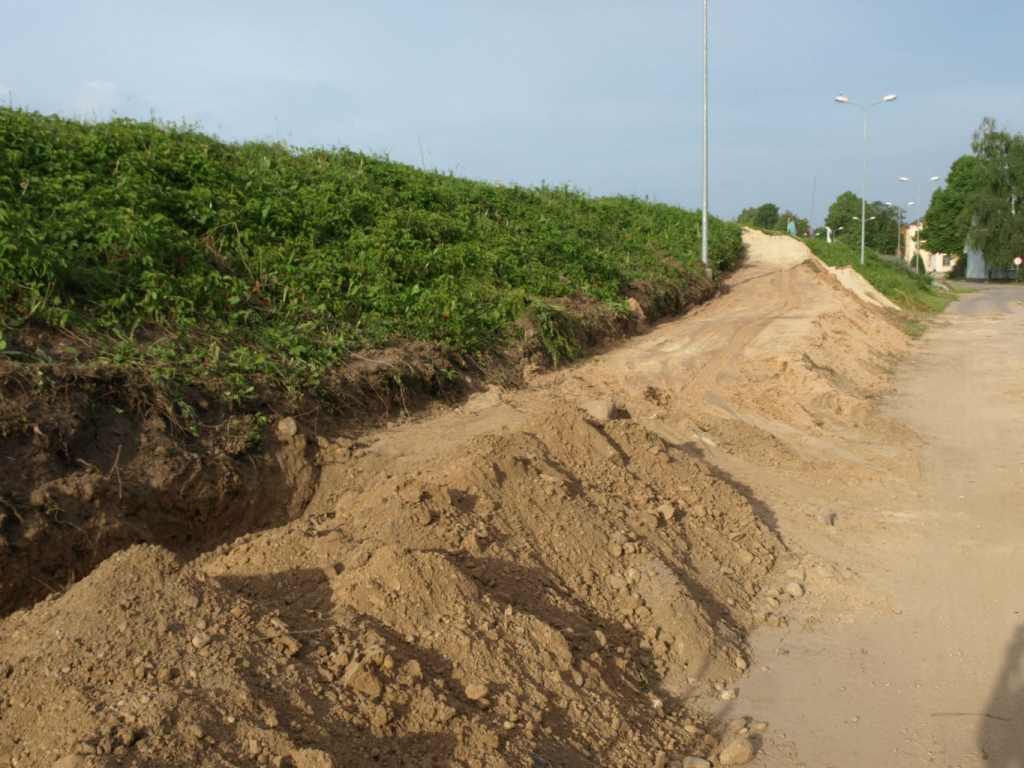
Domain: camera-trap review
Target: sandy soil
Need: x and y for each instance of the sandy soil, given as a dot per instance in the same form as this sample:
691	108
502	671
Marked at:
603	568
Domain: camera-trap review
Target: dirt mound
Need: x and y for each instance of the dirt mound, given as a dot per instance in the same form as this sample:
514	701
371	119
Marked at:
550	576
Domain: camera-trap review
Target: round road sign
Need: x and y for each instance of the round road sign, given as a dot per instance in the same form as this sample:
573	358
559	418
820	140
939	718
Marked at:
1018	261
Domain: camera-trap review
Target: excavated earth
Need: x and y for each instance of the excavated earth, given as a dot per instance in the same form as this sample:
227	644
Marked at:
553	575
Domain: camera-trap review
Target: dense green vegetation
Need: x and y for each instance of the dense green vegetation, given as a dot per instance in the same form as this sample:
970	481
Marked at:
896	282
768	218
190	257
982	199
880	227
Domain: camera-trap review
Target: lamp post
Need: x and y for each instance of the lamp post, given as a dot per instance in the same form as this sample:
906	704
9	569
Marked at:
899	211
862	223
864	185
704	210
920	219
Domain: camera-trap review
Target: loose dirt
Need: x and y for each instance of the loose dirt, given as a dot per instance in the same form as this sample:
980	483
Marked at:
570	573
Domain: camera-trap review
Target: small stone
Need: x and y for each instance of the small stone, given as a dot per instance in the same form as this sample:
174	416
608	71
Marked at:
192	601
651	521
660	759
601	639
287	427
599	411
695	762
728	694
359	678
692	729
200	640
739	752
737	725
828	518
357	559
694	681
422	516
795	589
667	511
743	557
615	549
476	691
577	678
773	620
616	582
741	664
311	758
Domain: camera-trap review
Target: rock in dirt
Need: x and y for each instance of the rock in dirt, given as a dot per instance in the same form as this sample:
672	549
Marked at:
475	691
311	758
287	427
359	678
599	411
738	752
794	589
695	762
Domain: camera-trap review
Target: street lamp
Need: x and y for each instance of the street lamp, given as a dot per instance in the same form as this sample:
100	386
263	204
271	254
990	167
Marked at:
869	218
920	221
864	186
900	211
704	208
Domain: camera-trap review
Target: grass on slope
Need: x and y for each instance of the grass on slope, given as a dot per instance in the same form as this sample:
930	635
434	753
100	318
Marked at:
197	260
911	291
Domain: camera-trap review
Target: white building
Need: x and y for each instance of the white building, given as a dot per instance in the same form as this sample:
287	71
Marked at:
934	263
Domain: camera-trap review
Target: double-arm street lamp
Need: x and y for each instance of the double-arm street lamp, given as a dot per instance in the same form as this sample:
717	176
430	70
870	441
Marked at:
920	220
864	186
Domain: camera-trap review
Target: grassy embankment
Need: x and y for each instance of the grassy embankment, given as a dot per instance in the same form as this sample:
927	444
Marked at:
245	268
912	292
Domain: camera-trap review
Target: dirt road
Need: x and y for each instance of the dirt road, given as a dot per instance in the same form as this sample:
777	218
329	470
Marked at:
756	510
935	674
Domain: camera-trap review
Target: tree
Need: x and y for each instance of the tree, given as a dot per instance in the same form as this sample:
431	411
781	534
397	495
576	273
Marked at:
950	212
997	222
763	217
879	231
981	202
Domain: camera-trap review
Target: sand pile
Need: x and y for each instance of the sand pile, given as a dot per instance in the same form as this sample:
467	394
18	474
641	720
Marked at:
545	577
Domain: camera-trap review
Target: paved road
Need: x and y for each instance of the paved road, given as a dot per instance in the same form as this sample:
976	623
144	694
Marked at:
990	300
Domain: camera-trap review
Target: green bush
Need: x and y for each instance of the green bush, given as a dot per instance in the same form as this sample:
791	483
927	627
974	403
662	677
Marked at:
178	250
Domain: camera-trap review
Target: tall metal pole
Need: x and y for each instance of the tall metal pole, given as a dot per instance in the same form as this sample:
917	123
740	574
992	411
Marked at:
704	213
864	188
920	220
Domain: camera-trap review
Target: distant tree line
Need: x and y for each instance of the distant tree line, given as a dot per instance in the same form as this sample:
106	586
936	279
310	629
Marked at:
769	218
980	204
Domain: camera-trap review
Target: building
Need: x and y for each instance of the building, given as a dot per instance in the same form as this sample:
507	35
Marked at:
934	263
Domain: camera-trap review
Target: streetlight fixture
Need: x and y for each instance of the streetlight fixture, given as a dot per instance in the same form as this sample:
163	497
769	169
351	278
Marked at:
864	185
920	223
869	218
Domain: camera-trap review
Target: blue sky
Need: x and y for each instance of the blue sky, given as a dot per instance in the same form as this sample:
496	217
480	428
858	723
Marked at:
601	95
